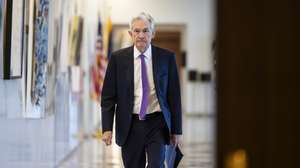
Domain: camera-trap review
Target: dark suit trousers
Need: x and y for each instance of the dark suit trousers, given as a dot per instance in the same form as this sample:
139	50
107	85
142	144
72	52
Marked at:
146	136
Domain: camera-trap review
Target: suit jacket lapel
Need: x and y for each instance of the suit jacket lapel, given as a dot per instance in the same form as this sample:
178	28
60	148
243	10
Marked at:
129	64
130	72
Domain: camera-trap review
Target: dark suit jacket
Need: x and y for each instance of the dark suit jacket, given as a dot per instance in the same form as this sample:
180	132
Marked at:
118	91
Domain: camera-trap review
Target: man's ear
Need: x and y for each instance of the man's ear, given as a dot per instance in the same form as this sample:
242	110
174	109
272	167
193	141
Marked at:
153	35
130	33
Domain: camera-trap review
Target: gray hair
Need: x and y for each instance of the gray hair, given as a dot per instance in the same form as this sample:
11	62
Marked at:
143	16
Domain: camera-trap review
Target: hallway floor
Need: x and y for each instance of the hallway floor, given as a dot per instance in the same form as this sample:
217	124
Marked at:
197	147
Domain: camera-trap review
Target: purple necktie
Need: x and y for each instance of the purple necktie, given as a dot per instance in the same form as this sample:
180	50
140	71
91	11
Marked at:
145	85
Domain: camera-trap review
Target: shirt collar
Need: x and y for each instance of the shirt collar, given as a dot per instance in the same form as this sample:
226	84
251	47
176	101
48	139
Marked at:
147	53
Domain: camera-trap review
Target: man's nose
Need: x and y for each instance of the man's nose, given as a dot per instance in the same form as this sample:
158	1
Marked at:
141	35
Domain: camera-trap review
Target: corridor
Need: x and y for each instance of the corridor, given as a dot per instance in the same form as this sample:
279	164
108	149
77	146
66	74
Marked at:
52	72
197	147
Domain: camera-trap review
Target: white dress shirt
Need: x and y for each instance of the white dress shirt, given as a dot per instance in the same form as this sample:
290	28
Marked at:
153	104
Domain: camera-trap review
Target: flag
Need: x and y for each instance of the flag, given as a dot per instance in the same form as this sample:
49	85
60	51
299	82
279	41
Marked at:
98	68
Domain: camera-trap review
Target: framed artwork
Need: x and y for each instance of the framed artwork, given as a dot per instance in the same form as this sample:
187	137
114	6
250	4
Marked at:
40	53
75	38
37	60
2	15
11	38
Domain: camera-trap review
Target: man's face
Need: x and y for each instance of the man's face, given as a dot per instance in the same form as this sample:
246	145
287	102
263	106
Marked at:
141	34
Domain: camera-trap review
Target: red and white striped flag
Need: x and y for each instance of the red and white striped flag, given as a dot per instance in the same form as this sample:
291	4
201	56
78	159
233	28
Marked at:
98	68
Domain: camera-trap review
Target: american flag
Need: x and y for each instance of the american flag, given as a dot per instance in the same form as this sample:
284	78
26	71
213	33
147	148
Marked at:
99	66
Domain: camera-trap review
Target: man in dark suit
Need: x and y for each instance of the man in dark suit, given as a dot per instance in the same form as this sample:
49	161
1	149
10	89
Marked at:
141	89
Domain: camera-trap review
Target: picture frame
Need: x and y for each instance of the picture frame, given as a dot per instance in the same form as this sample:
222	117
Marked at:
11	38
75	38
37	60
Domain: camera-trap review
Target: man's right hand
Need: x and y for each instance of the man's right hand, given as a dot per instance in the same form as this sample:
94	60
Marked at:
106	137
